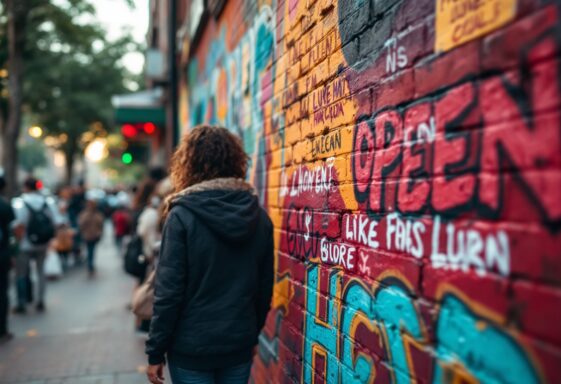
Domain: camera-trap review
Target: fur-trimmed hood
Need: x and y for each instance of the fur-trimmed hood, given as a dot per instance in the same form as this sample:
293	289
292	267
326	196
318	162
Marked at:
228	206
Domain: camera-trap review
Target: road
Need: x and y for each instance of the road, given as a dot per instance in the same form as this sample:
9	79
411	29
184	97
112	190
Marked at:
85	336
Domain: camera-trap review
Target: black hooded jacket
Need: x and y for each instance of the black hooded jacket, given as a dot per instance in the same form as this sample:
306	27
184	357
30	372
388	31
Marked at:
214	278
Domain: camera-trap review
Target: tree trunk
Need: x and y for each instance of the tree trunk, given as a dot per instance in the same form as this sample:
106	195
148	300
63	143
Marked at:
17	14
69	167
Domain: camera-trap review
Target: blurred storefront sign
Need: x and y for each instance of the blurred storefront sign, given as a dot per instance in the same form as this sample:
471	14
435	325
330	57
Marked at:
140	107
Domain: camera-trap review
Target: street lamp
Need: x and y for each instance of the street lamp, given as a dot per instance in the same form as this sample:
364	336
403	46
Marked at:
35	132
97	150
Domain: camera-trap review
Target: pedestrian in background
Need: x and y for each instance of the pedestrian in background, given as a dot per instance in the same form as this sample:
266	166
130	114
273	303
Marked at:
148	226
7	216
121	224
136	261
63	243
148	229
37	218
141	201
214	277
91	230
76	205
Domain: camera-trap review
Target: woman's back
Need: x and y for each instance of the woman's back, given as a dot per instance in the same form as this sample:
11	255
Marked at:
217	257
214	279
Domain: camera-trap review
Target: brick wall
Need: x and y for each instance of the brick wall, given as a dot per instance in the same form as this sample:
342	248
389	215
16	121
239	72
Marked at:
413	173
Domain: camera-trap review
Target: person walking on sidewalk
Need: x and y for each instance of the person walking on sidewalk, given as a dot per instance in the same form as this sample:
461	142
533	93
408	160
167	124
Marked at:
148	229
37	218
90	223
6	217
76	205
149	225
214	277
121	225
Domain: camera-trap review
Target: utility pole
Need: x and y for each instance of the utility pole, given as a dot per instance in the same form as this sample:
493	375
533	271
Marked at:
173	94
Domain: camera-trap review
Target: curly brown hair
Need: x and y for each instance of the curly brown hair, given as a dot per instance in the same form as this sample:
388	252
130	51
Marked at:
207	153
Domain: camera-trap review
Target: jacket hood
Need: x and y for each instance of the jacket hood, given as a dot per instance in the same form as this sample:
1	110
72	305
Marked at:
228	206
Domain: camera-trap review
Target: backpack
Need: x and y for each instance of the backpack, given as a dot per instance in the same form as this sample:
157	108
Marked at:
40	227
135	262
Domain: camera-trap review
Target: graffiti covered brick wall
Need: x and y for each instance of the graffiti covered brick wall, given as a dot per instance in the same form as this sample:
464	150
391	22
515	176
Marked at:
409	154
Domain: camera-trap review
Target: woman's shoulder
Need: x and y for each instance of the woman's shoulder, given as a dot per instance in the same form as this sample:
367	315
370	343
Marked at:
179	214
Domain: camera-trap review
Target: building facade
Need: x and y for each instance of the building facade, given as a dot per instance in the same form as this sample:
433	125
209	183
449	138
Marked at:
409	155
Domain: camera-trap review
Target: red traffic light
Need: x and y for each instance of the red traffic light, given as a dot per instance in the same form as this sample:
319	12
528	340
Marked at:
149	128
39	184
129	130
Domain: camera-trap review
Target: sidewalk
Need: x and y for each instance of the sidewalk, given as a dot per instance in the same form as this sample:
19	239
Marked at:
85	336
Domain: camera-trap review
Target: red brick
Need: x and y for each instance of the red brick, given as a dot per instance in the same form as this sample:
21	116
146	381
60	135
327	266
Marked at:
537	310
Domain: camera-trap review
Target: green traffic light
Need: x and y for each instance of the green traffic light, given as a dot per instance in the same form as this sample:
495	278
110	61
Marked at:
126	158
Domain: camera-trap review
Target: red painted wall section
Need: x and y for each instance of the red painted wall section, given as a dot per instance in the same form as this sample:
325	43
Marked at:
415	193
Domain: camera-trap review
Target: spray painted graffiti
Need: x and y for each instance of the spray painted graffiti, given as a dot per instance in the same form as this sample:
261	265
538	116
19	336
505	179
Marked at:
468	345
468	145
233	84
414	193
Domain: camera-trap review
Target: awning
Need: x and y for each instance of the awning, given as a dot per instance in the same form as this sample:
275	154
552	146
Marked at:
140	107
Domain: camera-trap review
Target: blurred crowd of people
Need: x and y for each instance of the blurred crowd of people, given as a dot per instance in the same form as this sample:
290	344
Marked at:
53	233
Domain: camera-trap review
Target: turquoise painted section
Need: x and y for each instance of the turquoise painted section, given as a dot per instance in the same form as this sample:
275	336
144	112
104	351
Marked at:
486	352
358	302
395	310
325	336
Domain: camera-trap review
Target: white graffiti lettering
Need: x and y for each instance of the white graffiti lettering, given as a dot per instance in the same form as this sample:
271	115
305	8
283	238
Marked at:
306	180
337	254
468	249
363	263
405	235
424	132
360	229
396	57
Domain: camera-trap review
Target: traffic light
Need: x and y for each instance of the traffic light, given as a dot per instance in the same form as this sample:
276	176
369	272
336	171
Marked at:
149	128
126	158
131	131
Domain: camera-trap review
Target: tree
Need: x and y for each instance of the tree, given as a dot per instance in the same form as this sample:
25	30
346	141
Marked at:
72	96
35	33
16	22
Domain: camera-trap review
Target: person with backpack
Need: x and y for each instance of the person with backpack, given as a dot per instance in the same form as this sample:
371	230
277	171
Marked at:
6	217
214	277
136	262
37	218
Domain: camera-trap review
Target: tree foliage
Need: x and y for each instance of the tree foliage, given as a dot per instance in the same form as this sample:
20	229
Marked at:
32	155
72	99
70	72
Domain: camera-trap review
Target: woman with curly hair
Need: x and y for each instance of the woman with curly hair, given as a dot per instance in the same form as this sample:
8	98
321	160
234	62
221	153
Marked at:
214	278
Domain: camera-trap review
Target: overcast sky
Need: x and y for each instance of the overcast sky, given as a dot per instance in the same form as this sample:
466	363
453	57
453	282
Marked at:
115	15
